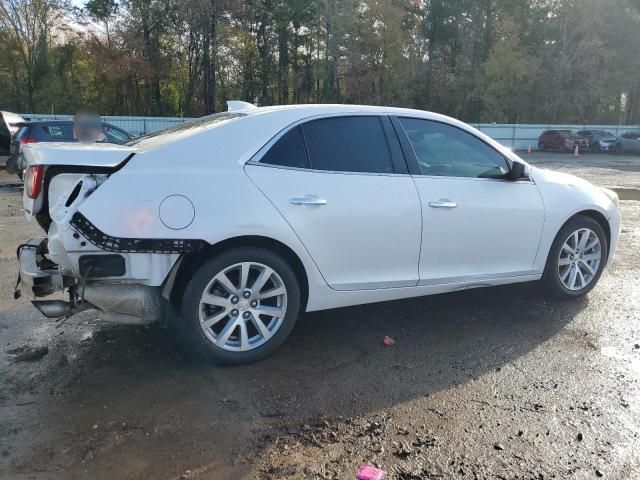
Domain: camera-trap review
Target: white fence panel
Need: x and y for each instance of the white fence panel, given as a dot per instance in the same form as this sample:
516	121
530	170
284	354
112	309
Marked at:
515	136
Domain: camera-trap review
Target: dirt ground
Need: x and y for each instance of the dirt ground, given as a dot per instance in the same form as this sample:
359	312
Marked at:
494	383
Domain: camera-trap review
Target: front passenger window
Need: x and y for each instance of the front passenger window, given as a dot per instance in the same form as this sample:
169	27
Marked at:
448	151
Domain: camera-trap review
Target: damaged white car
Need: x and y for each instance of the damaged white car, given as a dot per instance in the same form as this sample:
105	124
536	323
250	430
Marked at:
244	219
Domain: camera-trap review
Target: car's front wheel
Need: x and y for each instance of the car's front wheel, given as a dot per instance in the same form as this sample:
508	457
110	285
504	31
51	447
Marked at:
576	259
240	306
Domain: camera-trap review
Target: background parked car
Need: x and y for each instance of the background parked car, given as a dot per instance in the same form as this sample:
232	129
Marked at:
8	128
54	131
628	142
599	140
562	140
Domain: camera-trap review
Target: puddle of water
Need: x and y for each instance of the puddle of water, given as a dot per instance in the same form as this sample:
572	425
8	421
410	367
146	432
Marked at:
627	193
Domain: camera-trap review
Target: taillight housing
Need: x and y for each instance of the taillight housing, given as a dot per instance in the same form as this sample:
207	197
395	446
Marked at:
33	181
26	141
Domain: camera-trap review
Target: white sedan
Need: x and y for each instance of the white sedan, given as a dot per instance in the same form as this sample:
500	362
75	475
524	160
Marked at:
242	220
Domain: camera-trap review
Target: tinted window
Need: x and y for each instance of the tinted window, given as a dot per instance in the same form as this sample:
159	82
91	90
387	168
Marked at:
114	135
23	133
348	144
55	132
444	150
288	151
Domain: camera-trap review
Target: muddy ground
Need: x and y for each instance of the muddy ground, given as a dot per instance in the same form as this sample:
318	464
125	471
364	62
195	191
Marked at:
488	384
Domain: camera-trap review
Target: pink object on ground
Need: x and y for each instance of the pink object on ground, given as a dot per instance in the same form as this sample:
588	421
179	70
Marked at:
389	342
368	472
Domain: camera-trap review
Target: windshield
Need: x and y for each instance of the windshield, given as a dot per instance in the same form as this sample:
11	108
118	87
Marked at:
194	124
570	133
604	134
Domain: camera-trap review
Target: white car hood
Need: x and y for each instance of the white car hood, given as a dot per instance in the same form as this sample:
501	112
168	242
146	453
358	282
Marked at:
558	178
564	193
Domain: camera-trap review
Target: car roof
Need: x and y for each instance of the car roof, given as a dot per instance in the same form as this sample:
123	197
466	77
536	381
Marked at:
65	122
275	118
47	122
61	122
228	131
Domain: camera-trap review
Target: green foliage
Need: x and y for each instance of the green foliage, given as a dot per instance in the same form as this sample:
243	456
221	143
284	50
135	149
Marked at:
480	60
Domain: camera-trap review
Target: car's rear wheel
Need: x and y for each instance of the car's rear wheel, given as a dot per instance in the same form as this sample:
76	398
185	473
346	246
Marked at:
239	306
541	146
576	259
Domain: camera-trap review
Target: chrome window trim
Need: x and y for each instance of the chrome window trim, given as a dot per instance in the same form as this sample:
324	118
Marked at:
256	157
331	172
476	179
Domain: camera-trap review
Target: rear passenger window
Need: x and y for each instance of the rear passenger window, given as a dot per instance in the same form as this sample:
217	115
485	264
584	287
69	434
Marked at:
348	144
58	132
55	132
288	151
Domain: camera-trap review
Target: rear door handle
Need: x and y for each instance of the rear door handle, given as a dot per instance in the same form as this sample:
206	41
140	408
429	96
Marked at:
443	204
307	200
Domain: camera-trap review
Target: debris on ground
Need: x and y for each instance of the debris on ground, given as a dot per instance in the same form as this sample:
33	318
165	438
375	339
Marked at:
28	354
367	472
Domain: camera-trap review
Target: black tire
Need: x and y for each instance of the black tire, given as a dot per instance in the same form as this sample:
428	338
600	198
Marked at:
191	335
12	166
551	278
541	146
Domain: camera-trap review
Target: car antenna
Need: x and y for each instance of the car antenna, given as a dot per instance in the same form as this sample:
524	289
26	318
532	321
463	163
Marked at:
239	105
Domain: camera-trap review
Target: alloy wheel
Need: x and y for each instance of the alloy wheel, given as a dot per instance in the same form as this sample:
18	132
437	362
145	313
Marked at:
579	259
243	306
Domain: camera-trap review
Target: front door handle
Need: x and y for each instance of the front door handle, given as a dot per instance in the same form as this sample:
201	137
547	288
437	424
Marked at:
307	200
443	204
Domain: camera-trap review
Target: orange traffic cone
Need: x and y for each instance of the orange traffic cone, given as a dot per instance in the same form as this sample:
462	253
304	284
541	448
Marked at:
529	150
576	153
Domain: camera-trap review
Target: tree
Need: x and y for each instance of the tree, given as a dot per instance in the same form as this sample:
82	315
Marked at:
30	24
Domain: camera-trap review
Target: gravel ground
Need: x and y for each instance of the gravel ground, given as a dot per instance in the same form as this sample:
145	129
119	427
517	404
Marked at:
601	169
494	383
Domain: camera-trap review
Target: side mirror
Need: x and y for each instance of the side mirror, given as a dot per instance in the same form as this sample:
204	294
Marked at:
517	171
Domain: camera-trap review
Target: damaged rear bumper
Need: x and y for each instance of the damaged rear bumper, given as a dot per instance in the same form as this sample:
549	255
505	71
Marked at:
128	303
40	276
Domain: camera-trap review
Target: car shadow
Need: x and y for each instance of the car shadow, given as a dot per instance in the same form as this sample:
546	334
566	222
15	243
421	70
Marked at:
134	383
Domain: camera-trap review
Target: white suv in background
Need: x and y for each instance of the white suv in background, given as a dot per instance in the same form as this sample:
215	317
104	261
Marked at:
244	219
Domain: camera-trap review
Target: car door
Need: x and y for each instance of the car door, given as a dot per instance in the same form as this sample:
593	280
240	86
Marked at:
342	185
477	224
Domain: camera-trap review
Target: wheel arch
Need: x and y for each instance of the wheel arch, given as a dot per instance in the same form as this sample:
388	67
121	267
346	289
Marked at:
598	217
190	263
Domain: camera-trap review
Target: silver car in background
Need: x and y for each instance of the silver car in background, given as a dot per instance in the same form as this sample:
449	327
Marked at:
599	140
628	142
